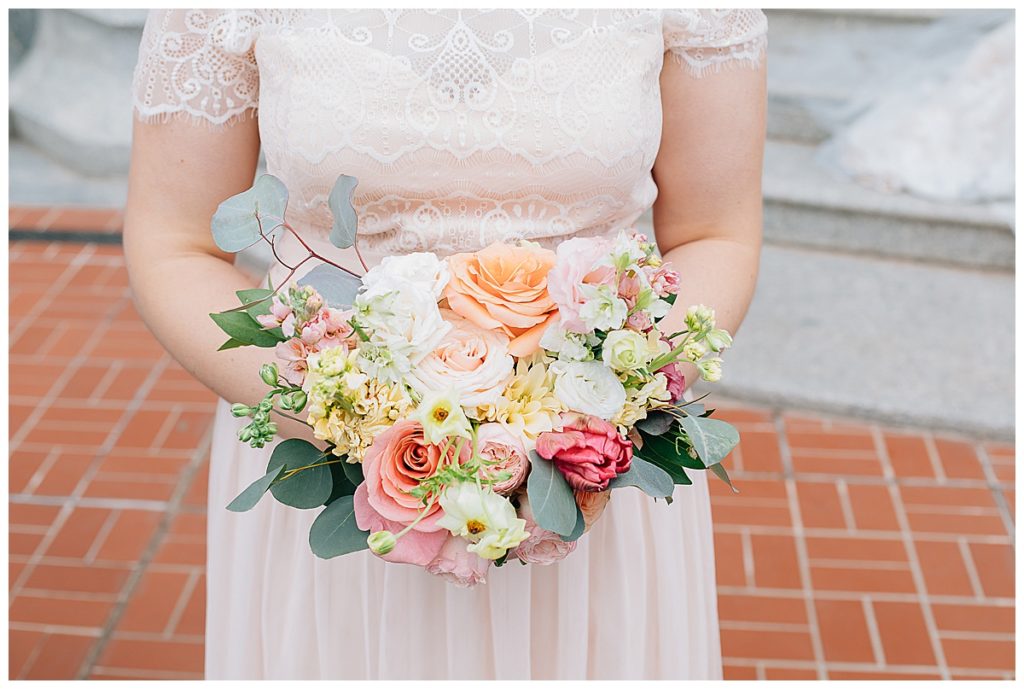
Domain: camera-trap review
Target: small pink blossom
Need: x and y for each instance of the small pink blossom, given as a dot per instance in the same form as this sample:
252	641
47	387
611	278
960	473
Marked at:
293	353
629	289
457	565
664	281
676	380
640	321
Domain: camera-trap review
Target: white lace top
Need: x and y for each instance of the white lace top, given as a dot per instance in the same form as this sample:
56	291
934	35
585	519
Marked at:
464	127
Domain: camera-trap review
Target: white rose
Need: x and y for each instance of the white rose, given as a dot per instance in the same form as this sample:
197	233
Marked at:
422	269
626	350
589	387
474	361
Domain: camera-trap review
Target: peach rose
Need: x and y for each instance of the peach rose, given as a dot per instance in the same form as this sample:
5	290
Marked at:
592	504
505	288
474	361
497	445
459	566
393	465
542	547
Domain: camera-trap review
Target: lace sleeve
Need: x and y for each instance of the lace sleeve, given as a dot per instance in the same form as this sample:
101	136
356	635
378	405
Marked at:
197	64
705	40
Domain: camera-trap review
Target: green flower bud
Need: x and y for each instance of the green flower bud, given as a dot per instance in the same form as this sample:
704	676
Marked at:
381	542
268	372
271	429
718	339
298	400
286	402
265	405
261	417
245	434
711	369
240	409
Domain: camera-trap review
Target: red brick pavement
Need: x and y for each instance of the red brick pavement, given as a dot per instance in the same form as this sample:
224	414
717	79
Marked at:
853	551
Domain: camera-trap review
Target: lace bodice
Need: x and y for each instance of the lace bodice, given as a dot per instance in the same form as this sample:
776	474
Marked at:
464	127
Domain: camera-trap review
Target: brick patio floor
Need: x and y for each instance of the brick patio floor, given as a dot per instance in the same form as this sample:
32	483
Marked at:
854	550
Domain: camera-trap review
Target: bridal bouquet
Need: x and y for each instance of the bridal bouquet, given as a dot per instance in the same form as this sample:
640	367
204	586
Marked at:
474	409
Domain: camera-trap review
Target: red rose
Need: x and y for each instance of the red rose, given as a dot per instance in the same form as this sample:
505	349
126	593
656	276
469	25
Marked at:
588	451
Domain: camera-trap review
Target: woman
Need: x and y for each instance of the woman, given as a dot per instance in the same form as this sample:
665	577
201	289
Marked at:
463	128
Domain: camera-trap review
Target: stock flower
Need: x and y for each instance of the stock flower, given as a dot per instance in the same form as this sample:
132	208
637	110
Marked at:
482	517
694	350
699	318
504	287
542	547
710	369
589	387
425	270
588	451
394	465
653	393
469	358
627	250
459	566
718	339
675	381
441	416
602	308
503	452
626	351
664	281
578	262
566	345
529	405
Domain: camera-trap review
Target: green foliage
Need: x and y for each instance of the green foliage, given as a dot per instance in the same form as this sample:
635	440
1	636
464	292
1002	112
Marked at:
337	287
581	525
334	532
243	328
259	300
343	229
551	499
646	476
236	226
712	439
249	497
306	481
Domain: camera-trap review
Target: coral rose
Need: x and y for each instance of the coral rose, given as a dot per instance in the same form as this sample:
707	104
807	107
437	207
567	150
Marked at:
393	465
497	445
588	451
542	547
418	548
505	288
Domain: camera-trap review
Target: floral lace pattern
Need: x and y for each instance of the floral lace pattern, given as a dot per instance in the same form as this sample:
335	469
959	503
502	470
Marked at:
463	127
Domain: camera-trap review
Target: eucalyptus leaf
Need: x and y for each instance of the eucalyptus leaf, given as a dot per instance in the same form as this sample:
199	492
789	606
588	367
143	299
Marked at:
343	229
581	526
249	497
235	226
648	477
334	532
341	486
712	439
259	298
551	499
305	489
242	327
719	471
656	423
693	408
353	472
337	287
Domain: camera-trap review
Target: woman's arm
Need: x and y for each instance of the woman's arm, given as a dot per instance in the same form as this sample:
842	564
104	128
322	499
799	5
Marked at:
707	219
180	172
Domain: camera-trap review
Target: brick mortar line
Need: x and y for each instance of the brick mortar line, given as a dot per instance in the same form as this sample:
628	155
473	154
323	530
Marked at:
873	633
880	596
90	502
817	646
181	604
819	532
155	541
995	486
56	287
840	666
845	506
98	454
916	571
972	571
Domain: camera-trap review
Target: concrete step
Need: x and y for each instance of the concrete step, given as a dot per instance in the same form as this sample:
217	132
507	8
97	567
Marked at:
809	204
36	179
891	340
824	65
71	94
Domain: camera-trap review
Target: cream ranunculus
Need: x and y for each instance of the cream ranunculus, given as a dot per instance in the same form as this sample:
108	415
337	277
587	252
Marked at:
423	269
589	387
626	351
474	361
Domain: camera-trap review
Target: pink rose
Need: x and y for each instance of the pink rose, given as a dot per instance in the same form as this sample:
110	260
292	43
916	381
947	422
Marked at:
495	444
418	548
576	264
393	465
664	281
676	380
456	564
542	547
588	451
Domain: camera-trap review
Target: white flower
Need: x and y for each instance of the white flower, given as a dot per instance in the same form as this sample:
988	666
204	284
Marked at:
699	318
474	361
589	387
627	350
602	308
626	251
711	369
482	517
718	339
423	269
441	416
403	323
694	350
568	346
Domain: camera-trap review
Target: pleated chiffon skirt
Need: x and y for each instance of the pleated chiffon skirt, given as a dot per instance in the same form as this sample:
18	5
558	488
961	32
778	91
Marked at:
636	600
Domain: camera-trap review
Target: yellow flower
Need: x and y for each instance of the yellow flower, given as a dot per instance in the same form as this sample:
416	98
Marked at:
654	393
441	416
528	406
